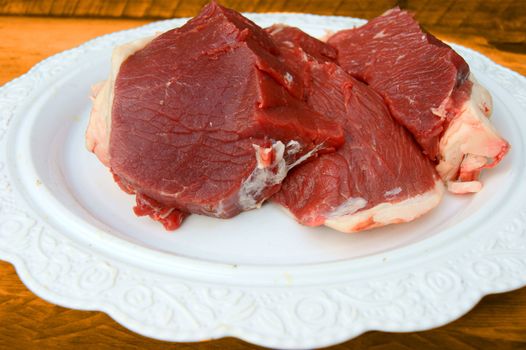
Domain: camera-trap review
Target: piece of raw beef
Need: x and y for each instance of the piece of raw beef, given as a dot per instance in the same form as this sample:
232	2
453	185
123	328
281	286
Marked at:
379	176
429	89
206	118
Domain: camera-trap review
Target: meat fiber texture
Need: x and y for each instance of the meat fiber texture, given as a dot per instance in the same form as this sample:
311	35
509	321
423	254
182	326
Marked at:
379	176
429	90
206	118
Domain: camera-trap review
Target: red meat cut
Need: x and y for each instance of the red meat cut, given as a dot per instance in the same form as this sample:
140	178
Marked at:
429	89
206	118
379	176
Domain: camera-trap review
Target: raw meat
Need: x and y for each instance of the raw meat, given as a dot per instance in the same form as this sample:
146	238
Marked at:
205	119
97	134
429	90
379	176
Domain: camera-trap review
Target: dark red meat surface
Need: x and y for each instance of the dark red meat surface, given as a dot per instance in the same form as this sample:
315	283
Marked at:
413	71
191	106
379	161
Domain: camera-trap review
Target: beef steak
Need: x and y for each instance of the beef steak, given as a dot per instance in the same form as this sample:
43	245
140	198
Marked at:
429	89
206	118
379	176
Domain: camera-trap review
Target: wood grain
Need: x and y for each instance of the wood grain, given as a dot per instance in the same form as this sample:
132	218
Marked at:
28	322
504	20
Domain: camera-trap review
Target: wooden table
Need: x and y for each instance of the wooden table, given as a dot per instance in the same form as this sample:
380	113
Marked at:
27	322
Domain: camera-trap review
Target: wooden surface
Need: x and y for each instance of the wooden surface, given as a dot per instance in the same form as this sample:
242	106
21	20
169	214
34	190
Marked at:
502	20
27	322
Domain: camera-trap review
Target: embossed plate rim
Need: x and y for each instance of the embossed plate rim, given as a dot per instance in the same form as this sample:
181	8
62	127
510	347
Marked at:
281	314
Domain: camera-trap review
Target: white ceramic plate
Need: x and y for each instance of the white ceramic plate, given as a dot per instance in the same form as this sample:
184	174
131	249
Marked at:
261	277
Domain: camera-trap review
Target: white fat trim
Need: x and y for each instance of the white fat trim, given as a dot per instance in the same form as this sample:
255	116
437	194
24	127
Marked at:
393	192
472	162
307	155
481	97
98	132
458	187
263	177
293	147
349	207
389	213
470	134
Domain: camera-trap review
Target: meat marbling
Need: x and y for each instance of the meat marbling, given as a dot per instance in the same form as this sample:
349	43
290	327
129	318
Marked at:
429	90
205	118
379	176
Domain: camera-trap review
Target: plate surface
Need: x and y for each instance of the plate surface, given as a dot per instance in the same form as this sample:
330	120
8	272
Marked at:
261	277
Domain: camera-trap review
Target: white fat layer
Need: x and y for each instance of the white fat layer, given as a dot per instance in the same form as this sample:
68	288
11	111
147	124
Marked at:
388	213
481	97
306	156
393	192
98	132
472	162
263	176
470	134
293	147
458	187
349	207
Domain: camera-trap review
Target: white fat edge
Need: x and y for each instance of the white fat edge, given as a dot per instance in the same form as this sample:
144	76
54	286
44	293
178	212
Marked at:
472	162
349	207
263	176
119	55
95	89
293	147
469	133
98	133
389	213
481	96
393	192
306	155
459	187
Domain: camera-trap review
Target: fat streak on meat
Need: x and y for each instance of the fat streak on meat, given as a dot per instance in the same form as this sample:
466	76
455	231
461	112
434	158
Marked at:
429	90
379	176
204	119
